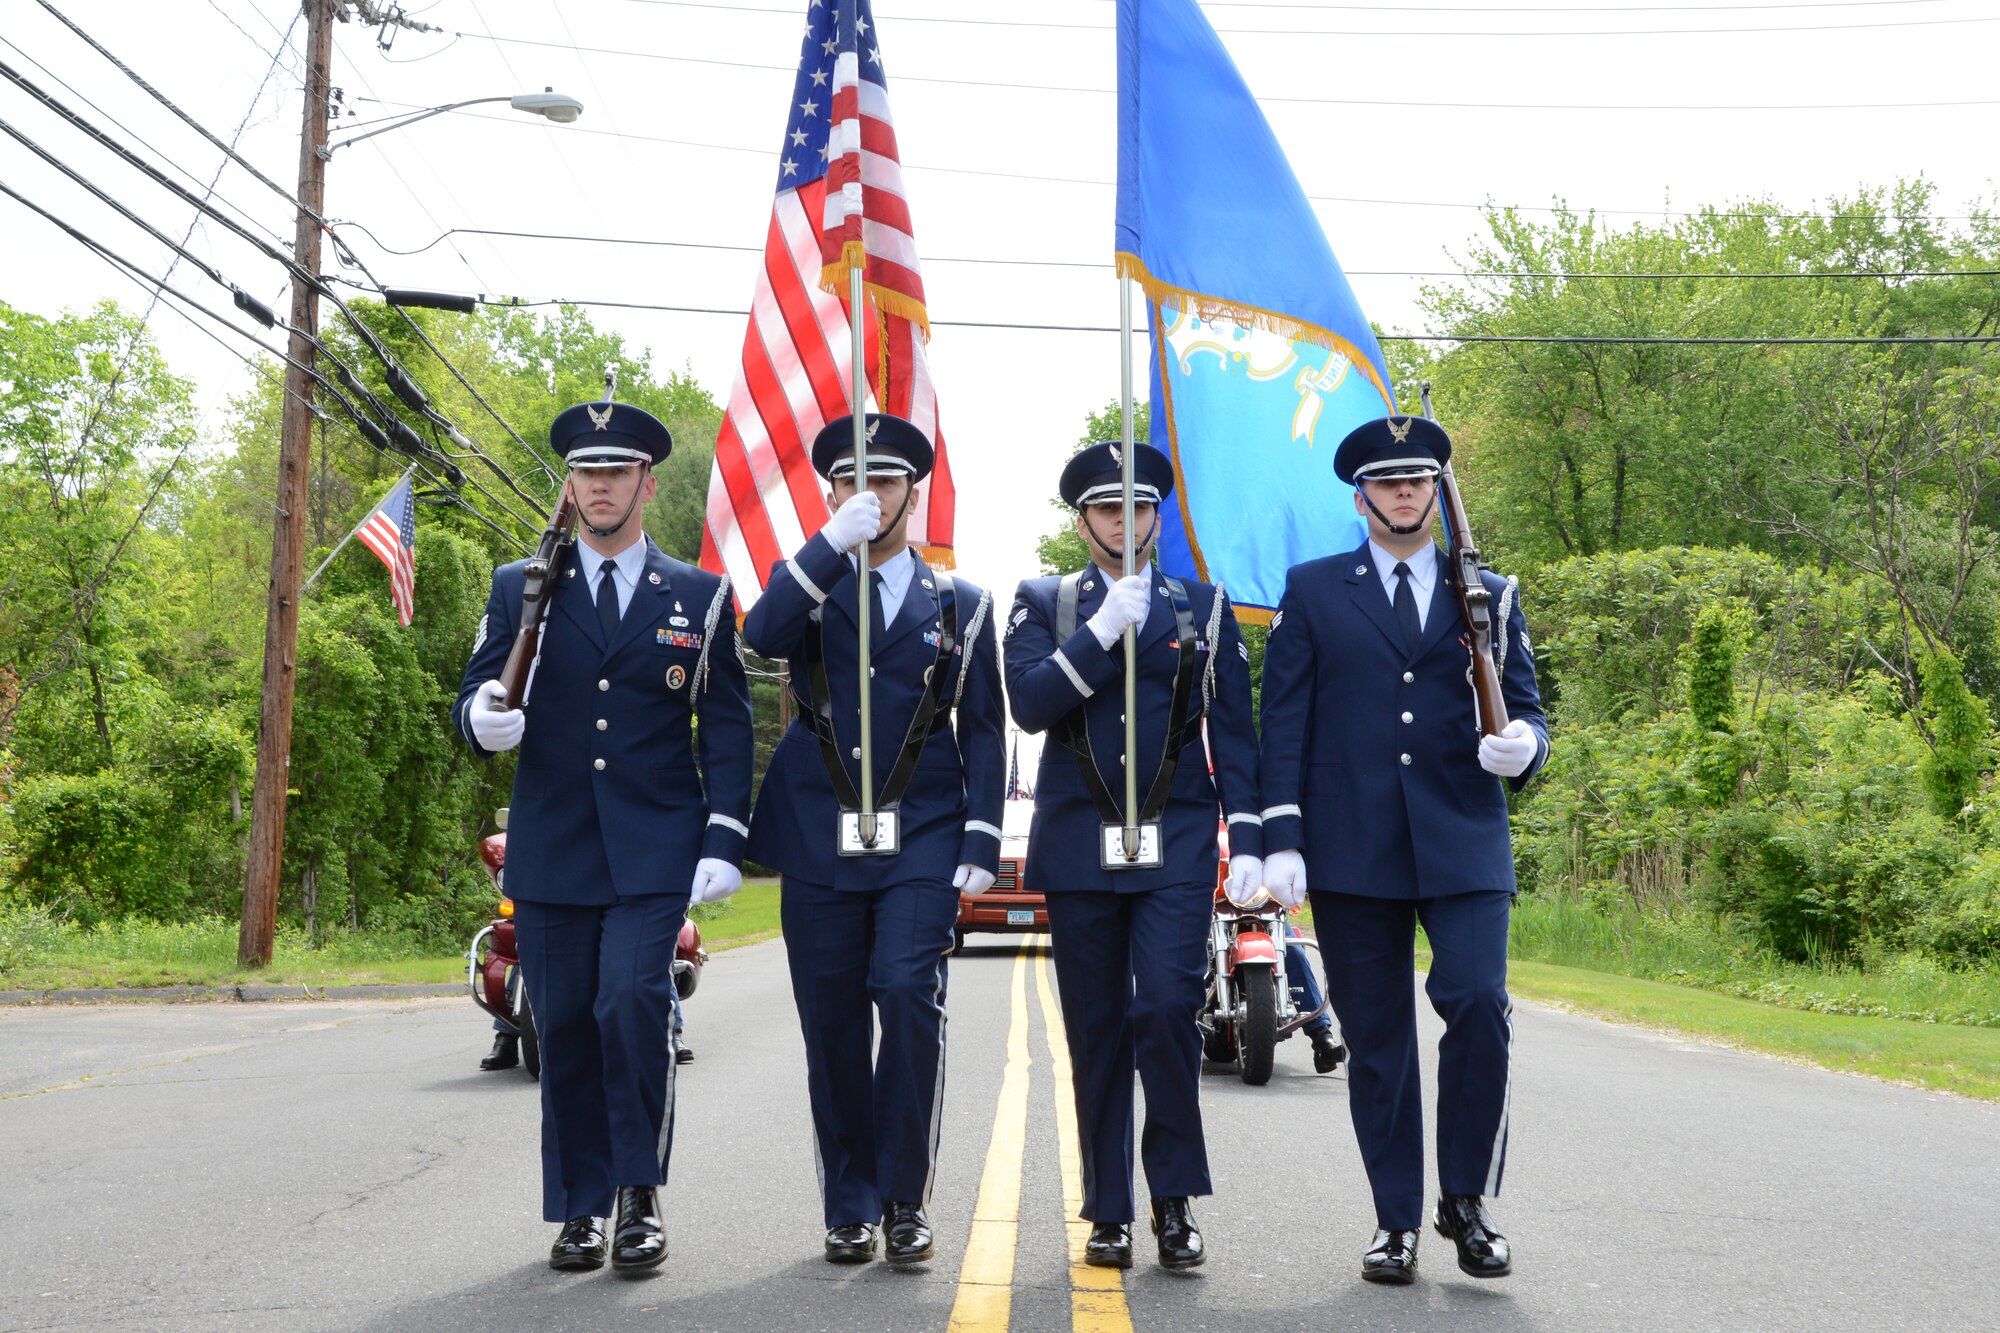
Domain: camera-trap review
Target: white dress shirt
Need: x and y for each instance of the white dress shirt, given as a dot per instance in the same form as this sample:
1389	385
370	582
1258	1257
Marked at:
896	576
624	567
1423	575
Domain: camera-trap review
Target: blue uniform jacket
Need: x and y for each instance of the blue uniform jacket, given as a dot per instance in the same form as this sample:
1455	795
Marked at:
608	802
1047	680
1370	754
951	807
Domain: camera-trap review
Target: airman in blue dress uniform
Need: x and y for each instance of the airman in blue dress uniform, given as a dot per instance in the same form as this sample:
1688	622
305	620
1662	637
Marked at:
874	925
1131	942
624	810
1382	798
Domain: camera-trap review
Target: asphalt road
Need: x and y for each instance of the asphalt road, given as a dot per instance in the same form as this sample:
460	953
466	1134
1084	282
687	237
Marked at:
345	1166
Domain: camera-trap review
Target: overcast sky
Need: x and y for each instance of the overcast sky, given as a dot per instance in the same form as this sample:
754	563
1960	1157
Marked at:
1632	109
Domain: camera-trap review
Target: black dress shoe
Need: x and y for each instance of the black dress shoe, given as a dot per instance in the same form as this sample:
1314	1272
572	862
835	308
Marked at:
906	1234
850	1244
682	1054
580	1246
506	1052
1109	1246
1392	1258
1482	1251
640	1239
1180	1238
1327	1053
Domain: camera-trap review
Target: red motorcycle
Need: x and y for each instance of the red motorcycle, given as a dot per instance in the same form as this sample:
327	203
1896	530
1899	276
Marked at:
1249	1008
493	960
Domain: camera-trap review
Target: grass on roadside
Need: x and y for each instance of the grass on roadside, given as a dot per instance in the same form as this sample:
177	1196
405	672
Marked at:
1938	1056
40	952
1906	1020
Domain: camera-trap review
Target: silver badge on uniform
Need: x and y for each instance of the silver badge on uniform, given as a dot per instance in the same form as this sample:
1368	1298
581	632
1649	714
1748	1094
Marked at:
676	677
653	577
480	641
678	621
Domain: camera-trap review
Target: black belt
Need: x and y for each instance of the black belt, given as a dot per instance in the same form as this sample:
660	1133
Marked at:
1073	731
932	716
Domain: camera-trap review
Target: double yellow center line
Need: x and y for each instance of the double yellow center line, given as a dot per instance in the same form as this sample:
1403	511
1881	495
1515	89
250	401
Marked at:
986	1281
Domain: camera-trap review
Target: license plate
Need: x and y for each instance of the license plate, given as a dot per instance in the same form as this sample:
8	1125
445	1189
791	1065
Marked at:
1020	918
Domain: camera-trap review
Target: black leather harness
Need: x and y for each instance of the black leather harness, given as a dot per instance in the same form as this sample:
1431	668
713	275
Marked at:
933	710
1073	731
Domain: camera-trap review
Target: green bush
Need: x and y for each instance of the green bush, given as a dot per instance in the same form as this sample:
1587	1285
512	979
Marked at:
1830	844
1610	630
95	845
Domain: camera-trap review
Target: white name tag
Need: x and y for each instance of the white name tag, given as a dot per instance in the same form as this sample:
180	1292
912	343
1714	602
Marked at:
888	834
1112	840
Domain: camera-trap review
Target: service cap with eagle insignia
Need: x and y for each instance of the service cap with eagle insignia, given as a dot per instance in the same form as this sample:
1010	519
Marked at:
1096	475
609	435
1392	447
894	446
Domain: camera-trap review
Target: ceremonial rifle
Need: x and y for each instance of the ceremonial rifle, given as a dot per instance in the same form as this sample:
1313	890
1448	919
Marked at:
1475	603
538	587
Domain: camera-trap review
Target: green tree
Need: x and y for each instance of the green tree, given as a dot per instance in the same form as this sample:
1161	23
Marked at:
1959	735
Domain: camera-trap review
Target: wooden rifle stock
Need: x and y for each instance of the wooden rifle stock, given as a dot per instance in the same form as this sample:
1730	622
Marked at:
1475	603
536	593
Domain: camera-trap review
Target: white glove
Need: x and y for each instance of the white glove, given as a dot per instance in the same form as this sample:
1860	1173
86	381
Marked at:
496	728
1246	879
714	880
1285	877
972	879
1508	754
1124	604
857	520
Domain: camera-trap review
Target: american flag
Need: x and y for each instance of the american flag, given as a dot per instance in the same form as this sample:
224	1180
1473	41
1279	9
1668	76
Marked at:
390	531
839	197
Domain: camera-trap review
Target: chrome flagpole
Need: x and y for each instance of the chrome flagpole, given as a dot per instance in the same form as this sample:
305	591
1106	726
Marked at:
856	314
1131	631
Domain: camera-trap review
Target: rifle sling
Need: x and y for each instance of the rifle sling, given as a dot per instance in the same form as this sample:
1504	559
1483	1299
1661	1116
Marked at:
1073	732
933	712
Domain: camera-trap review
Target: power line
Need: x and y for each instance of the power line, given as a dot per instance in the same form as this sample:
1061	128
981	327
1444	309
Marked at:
1287	101
1481	274
1371	32
84	98
161	285
366	335
289	197
1101	183
1380	337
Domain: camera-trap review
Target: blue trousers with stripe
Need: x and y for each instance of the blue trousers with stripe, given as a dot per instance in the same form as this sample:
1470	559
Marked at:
857	957
1131	973
1368	948
601	980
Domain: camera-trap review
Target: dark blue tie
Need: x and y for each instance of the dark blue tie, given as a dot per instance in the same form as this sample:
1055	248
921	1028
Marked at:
878	621
607	600
1406	608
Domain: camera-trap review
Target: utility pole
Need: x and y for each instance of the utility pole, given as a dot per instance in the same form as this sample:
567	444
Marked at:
281	625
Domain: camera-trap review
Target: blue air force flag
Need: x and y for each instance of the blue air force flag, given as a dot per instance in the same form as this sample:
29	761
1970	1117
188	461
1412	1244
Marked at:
1262	359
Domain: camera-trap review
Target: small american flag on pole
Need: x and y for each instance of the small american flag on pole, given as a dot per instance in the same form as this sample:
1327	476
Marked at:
390	531
839	201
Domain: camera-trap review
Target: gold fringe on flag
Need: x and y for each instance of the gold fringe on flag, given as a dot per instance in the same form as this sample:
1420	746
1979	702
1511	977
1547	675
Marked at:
833	278
1250	317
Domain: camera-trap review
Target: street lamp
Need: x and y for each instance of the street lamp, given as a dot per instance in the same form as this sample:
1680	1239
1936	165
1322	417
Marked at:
559	107
264	857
